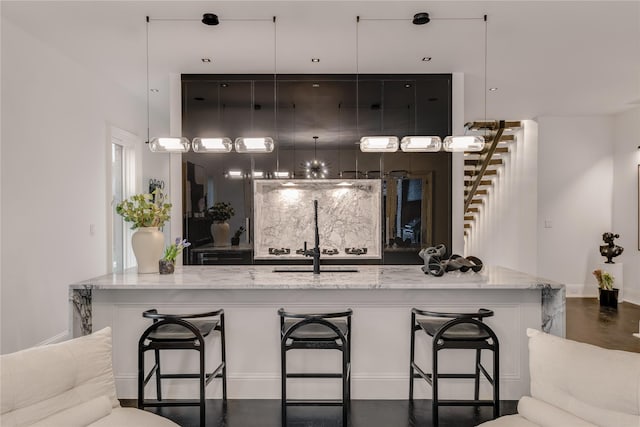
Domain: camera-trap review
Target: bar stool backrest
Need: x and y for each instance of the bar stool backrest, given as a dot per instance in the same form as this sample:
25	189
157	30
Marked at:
314	318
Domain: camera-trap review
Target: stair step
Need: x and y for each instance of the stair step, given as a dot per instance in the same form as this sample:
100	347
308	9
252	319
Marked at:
487	172
493	162
469	183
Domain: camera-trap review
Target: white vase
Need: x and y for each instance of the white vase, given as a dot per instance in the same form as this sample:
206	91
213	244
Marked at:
220	233
148	246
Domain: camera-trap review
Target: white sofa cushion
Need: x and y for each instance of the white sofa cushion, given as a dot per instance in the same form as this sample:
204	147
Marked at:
79	416
598	385
41	381
509	421
544	415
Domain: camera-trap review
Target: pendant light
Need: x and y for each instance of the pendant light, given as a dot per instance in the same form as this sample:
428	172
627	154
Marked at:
162	144
370	144
261	144
471	143
315	169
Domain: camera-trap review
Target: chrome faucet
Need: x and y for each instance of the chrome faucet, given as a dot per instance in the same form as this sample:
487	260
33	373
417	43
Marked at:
315	252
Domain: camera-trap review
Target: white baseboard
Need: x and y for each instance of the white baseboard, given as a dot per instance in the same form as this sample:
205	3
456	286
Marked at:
578	290
632	296
62	336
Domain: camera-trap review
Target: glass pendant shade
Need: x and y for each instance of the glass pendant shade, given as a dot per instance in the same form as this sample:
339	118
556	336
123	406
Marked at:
254	145
379	144
281	174
421	144
463	143
169	145
212	145
234	174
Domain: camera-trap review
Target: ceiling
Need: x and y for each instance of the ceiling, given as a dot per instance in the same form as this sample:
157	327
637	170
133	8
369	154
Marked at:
545	58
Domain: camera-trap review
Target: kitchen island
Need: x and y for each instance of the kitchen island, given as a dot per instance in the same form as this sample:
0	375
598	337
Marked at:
381	298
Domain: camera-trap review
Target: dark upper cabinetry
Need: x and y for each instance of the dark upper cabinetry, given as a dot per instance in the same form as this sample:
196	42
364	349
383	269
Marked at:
316	105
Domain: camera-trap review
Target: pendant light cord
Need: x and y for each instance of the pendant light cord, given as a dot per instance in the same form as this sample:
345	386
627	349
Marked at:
357	89
485	68
148	113
275	91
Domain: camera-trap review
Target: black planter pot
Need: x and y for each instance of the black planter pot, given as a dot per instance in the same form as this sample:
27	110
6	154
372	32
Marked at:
235	241
609	297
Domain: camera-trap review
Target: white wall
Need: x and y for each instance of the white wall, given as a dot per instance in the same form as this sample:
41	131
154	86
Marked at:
505	231
575	198
625	198
56	115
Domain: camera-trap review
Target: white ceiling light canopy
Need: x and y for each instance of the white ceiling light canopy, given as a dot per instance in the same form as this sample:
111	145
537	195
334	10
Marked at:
169	145
212	145
254	145
423	144
379	144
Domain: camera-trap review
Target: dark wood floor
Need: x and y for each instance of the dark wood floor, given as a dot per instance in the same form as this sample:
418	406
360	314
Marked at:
364	413
586	322
604	327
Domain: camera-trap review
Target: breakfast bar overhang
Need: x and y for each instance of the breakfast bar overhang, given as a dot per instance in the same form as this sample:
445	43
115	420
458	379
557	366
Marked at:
381	298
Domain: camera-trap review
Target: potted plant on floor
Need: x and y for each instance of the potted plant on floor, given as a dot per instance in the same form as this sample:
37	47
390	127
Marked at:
148	213
220	213
607	293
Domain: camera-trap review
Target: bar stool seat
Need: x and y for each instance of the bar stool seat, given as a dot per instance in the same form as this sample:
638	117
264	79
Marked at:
460	332
456	331
174	332
314	331
181	332
318	331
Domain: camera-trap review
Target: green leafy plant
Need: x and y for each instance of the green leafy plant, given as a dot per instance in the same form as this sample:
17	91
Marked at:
221	211
238	232
605	280
145	210
173	250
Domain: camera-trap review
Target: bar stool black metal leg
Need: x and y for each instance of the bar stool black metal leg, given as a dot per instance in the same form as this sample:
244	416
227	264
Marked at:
345	387
434	386
283	379
140	377
224	361
476	393
158	374
203	374
412	355
496	380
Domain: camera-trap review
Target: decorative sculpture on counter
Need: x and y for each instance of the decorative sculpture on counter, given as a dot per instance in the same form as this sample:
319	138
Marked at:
436	264
610	250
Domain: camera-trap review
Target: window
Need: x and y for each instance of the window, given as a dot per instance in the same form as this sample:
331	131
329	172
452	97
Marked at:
122	175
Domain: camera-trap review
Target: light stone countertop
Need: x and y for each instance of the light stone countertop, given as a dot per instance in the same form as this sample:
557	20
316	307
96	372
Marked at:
368	277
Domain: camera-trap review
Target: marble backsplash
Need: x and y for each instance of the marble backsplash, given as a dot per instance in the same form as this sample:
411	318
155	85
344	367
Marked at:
349	218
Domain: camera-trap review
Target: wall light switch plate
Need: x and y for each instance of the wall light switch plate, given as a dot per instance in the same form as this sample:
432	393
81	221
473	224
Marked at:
548	223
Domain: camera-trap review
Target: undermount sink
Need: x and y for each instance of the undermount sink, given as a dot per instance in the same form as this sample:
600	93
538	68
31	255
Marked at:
310	270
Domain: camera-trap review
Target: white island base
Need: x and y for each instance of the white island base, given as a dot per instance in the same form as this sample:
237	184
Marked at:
381	298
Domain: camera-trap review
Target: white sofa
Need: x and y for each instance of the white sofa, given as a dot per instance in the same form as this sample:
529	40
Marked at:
69	384
577	385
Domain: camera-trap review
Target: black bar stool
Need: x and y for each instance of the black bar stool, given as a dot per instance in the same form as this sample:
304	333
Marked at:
173	332
459	331
323	331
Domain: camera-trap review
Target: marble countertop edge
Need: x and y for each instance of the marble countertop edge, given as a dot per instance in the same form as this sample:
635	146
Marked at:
369	277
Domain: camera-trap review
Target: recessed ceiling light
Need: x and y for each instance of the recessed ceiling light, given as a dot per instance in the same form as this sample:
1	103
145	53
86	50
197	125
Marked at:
206	60
426	58
407	85
493	89
224	85
154	90
315	59
315	85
